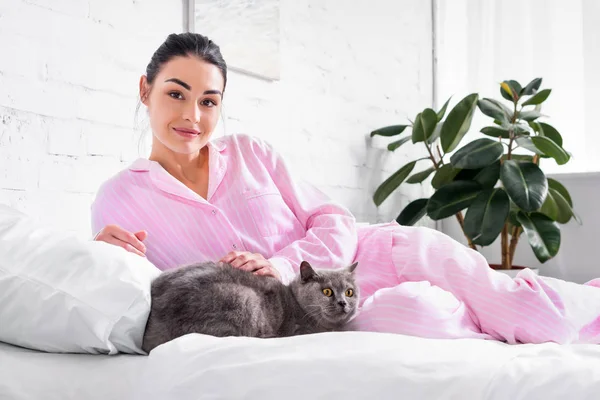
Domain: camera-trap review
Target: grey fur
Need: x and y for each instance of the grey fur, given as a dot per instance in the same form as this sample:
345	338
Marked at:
220	300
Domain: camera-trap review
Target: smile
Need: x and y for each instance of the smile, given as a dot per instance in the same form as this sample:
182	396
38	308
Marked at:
188	133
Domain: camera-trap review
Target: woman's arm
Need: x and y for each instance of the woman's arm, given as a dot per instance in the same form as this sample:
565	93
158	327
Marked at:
331	237
105	228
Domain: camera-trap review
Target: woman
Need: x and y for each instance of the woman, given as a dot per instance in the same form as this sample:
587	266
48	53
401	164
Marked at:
233	199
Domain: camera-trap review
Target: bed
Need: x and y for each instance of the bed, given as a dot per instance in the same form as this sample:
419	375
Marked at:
60	294
351	365
35	375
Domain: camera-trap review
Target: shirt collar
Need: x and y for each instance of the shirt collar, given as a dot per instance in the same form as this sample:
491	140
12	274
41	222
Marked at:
143	164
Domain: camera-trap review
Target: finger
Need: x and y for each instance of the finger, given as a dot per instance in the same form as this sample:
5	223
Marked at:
237	262
242	259
229	257
267	272
141	235
130	238
118	242
252	265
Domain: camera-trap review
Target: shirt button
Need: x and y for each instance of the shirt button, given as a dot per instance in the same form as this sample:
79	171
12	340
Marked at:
213	212
234	246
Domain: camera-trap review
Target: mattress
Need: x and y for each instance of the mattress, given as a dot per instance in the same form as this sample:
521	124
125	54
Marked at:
32	375
362	365
350	365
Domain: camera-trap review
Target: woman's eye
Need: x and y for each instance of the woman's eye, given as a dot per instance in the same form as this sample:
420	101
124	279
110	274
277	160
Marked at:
176	95
209	103
349	293
328	292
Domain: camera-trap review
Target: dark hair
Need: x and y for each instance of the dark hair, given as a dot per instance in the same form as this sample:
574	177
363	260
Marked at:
186	44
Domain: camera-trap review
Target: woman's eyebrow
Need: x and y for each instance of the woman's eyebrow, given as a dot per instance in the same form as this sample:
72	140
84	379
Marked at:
179	82
188	87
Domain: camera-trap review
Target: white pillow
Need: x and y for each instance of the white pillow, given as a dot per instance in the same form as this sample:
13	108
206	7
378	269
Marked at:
63	293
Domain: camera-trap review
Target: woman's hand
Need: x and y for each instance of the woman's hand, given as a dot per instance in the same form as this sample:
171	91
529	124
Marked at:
251	262
118	236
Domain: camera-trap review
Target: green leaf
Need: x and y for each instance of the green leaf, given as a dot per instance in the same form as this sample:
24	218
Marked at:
436	133
518	157
494	131
515	86
531	87
394	145
488	176
550	148
529	115
542	233
550	132
512	216
510	90
519	129
486	216
420	176
538	98
527	143
428	123
506	91
458	122
442	112
444	175
557	207
556	185
494	109
417	130
392	183
550	208
452	198
525	183
392	130
413	212
477	154
467	174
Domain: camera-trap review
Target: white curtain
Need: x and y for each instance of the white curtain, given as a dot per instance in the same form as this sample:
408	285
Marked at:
480	43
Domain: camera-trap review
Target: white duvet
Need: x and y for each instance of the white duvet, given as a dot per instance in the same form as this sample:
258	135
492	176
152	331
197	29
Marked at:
361	365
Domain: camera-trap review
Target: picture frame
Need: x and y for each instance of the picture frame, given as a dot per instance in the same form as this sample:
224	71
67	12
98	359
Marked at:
247	32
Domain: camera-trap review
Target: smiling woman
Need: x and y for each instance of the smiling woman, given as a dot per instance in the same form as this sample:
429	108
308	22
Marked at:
183	91
234	200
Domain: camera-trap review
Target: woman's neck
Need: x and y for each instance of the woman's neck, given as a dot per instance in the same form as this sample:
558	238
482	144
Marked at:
188	168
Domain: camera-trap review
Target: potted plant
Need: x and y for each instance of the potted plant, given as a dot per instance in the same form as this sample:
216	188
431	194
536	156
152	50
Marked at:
496	180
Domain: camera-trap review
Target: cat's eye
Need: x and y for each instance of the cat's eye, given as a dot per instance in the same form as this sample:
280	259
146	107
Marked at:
349	293
328	292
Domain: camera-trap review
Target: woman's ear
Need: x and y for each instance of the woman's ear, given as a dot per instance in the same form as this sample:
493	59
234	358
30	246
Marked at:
144	90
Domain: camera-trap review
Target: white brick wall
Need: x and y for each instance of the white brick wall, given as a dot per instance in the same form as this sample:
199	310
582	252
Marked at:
69	72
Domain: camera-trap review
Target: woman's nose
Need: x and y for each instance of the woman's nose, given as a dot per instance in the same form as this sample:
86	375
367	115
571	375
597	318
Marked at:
193	113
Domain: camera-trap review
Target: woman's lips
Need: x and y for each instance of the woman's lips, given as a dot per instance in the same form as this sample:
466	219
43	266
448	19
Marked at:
188	133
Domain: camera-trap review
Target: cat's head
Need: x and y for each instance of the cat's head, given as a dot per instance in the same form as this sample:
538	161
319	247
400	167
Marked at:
329	296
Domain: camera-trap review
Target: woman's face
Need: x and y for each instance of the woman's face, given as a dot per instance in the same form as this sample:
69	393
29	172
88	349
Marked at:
184	104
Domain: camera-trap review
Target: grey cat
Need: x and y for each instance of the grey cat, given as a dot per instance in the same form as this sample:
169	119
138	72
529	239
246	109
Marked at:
220	300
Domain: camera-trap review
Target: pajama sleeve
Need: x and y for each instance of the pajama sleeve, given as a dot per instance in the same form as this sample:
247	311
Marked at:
331	237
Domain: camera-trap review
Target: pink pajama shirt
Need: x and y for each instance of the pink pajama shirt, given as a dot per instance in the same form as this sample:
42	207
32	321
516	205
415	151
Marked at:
414	281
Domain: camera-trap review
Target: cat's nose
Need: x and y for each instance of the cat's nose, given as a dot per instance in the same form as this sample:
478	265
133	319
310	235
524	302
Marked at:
342	303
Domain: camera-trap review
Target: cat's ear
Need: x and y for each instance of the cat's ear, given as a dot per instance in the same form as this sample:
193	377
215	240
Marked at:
352	267
306	271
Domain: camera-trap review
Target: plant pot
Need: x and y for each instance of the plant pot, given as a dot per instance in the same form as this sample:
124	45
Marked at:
514	270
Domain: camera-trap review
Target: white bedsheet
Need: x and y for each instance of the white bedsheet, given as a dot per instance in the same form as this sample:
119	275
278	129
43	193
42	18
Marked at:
33	375
361	365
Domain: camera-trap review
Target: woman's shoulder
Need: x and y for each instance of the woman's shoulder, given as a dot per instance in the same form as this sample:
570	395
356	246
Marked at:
245	144
120	183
